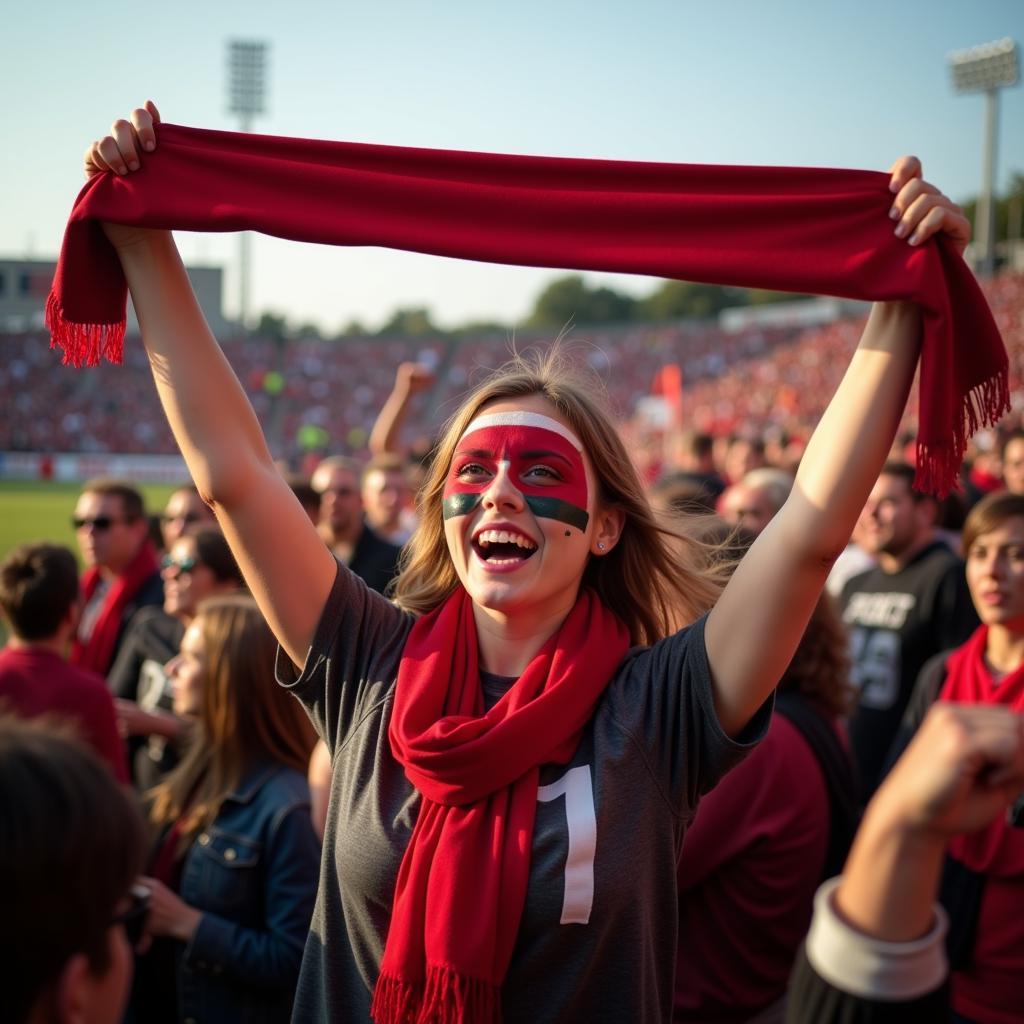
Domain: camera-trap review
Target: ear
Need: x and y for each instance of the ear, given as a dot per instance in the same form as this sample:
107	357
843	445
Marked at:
73	991
608	523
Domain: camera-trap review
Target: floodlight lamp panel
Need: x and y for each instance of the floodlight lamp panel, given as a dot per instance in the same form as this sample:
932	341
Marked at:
989	66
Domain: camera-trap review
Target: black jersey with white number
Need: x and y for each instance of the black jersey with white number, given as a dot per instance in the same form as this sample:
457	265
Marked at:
598	934
897	621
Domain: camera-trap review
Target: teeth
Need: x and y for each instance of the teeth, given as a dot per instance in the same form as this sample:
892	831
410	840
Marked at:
488	537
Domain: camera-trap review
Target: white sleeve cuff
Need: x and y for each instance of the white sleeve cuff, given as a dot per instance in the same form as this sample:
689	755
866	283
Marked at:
870	968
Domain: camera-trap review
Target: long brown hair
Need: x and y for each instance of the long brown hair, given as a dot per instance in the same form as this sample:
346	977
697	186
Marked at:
245	717
651	586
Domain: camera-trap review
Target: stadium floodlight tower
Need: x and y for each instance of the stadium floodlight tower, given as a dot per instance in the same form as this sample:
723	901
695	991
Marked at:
247	64
986	68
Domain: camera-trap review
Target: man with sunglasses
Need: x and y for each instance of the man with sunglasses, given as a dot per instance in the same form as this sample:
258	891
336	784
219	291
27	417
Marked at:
184	513
122	574
71	845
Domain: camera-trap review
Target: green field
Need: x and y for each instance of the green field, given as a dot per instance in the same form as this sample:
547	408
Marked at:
42	511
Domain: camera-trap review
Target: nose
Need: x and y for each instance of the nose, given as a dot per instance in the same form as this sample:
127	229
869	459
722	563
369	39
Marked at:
502	492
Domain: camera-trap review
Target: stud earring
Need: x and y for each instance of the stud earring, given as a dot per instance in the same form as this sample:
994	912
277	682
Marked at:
600	546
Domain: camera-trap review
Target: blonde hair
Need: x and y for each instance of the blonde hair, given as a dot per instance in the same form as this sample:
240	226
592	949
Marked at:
656	579
245	717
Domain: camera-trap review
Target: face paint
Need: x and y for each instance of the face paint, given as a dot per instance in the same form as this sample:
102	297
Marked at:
543	460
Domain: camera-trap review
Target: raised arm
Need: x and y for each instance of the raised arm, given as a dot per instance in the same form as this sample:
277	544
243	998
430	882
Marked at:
286	565
757	623
386	436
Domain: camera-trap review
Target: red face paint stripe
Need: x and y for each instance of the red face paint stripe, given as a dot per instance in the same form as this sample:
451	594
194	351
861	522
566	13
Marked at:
542	462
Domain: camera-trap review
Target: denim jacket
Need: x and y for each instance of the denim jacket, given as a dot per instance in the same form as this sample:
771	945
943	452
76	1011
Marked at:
253	873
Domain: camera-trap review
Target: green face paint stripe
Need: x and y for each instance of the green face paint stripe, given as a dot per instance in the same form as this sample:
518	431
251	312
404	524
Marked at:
555	508
459	505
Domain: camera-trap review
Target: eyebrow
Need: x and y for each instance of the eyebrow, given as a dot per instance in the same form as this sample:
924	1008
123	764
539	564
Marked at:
544	453
477	453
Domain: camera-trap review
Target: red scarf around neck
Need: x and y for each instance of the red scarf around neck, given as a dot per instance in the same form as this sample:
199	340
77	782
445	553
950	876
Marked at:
462	882
98	653
997	849
793	229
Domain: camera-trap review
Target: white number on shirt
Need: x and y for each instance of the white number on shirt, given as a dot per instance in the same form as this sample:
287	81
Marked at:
876	666
581	820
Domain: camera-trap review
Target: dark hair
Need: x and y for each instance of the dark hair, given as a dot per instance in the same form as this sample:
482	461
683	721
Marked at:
990	513
38	585
132	505
303	490
215	553
905	471
71	845
820	668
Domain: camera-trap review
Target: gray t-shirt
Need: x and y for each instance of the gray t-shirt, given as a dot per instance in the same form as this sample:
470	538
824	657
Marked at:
597	939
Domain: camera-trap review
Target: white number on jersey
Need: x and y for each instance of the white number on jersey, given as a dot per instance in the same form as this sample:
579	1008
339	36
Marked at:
581	820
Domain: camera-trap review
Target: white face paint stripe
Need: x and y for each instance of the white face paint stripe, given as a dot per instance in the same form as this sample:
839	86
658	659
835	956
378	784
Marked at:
523	419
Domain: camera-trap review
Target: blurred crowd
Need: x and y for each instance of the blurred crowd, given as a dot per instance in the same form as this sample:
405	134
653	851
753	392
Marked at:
159	660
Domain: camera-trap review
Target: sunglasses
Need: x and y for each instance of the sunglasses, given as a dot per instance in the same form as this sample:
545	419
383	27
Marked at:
188	518
133	919
181	564
99	523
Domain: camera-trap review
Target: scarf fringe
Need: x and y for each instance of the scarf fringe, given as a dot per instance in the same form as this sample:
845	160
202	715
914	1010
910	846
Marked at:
83	344
446	998
982	406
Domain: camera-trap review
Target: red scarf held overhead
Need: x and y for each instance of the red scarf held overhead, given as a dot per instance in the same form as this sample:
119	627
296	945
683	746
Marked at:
794	229
999	848
98	653
462	882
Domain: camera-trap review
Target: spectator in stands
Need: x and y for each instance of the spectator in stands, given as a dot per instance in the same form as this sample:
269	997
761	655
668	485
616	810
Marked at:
199	565
386	498
1013	462
185	512
763	840
875	951
70	851
342	527
40	602
122	574
694	454
744	454
912	605
753	502
233	874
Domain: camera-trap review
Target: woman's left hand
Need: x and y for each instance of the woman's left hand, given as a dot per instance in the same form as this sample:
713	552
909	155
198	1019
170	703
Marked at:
169	914
920	210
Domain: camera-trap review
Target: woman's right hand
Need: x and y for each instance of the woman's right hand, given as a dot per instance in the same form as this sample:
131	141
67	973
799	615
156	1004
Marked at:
121	153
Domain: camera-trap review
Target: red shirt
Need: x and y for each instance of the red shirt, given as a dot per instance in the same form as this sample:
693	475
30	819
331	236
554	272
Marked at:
35	681
748	871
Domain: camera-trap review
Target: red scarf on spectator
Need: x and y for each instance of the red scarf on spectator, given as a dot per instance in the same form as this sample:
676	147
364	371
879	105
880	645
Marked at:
98	653
793	229
997	849
462	882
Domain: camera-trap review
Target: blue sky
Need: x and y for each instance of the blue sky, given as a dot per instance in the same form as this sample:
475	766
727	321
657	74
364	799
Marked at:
825	84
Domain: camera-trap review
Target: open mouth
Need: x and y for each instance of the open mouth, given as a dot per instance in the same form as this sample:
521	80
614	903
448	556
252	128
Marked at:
503	547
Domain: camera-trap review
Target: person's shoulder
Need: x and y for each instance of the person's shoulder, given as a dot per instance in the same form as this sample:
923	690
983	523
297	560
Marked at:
151	621
283	786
